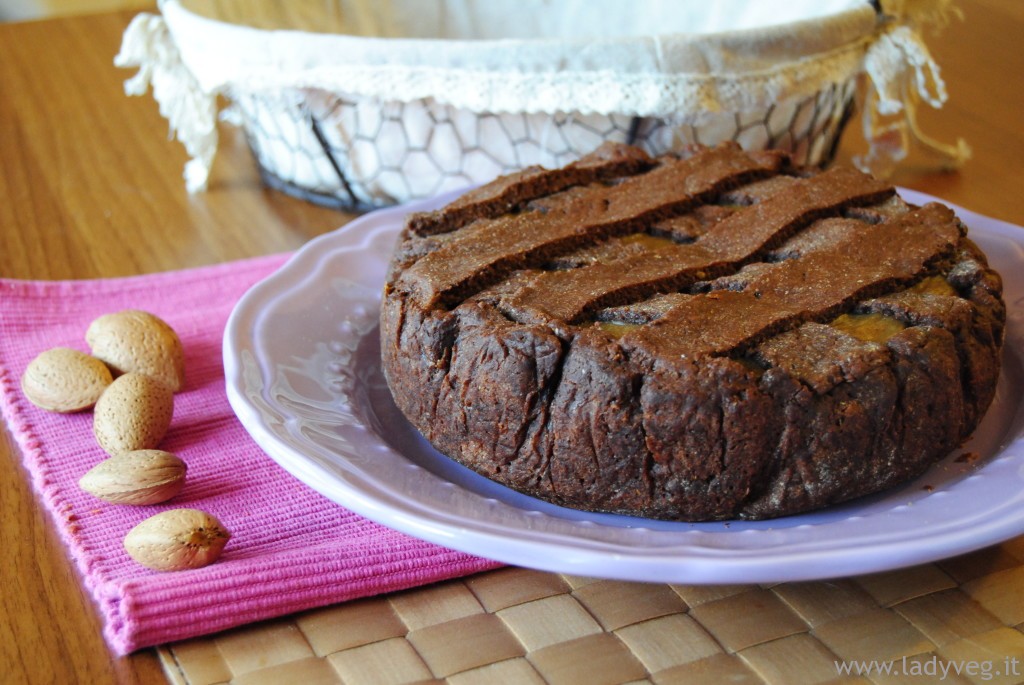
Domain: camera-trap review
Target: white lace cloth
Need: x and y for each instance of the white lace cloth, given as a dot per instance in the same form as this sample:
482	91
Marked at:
659	58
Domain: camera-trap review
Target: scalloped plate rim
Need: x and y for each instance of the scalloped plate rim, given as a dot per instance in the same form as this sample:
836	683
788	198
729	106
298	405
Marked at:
699	553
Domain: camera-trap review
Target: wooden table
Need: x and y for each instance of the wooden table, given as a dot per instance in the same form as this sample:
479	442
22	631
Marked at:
90	186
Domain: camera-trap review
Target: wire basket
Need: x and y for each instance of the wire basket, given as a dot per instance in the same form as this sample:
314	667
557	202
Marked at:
367	116
346	152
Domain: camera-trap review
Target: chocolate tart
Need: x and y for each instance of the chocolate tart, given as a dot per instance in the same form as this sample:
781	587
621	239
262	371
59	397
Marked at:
717	335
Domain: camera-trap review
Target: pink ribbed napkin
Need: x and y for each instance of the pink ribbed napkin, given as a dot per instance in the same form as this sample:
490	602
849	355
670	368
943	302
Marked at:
291	549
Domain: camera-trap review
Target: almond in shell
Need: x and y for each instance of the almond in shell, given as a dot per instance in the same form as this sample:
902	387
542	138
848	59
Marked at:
176	540
134	341
133	413
139	477
65	380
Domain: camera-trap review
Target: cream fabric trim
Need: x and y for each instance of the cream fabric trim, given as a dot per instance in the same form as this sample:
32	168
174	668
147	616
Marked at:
190	111
189	60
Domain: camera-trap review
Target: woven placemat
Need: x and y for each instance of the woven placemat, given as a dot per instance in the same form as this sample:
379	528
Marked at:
954	621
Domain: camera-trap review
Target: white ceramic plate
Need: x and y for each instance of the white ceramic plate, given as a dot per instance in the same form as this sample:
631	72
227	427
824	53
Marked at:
302	364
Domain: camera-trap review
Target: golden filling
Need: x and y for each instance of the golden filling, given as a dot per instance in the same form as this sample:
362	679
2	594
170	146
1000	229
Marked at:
647	240
868	327
615	328
933	285
879	327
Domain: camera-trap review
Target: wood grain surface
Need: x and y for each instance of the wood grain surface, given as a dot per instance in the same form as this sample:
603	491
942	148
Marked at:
91	186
